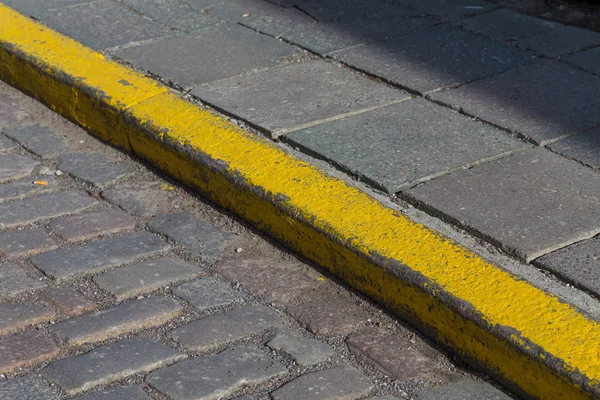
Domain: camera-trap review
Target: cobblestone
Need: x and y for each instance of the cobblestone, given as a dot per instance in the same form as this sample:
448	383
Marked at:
462	390
27	388
143	198
11	111
94	168
329	316
13	166
38	139
68	301
305	351
92	224
208	293
25	188
118	393
14	281
24	350
6	145
18	316
19	243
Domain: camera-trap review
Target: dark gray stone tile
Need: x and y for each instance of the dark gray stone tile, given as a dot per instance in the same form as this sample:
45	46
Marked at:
26	188
38	139
103	24
529	204
18	316
329	316
383	398
233	48
398	146
339	10
173	13
14	281
297	95
140	197
462	390
559	100
19	243
588	60
11	111
25	350
448	10
215	376
109	363
94	257
305	351
94	168
13	166
68	301
34	7
119	393
92	224
560	41
208	293
27	388
505	25
584	147
6	145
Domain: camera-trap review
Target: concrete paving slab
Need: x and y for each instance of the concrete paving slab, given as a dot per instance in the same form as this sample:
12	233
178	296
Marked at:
588	60
35	7
173	13
336	10
462	390
504	25
451	9
584	147
559	41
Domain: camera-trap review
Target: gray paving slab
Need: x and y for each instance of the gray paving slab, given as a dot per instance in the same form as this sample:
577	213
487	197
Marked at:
92	224
462	390
129	392
336	10
14	281
18	316
14	166
27	388
560	41
6	145
38	139
215	376
25	350
231	49
383	398
559	100
329	316
504	24
109	363
529	204
208	293
296	95
398	146
448	10
94	168
173	13
68	301
588	60
26	188
11	110
97	256
584	147
19	243
34	7
305	352
141	198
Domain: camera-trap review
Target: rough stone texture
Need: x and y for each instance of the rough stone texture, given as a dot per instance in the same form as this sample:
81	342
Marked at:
34	7
451	9
103	24
14	281
141	198
68	301
341	383
6	145
19	243
559	100
200	237
583	148
233	48
25	350
295	95
208	293
11	111
560	41
22	212
109	363
38	139
443	56
462	390
27	388
17	316
215	376
174	13
25	188
13	166
94	168
210	332
408	142
97	256
529	204
305	351
332	316
383	398
92	224
588	60
505	25
112	322
146	276
343	10
118	393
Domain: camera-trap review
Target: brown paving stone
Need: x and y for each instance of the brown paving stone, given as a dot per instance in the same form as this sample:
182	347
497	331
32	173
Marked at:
25	349
332	316
14	281
92	224
20	243
17	316
68	301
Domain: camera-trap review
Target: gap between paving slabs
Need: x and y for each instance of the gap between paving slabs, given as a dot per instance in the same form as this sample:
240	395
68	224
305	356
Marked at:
526	338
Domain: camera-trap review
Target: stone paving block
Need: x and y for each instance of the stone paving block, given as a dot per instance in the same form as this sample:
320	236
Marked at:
6	145
559	100
235	49
11	111
92	224
38	139
339	10
97	256
305	351
588	60
408	142
118	393
430	59
25	350
103	24
201	238
95	168
13	166
506	25
583	147
14	281
112	322
146	276
383	398
17	316
27	388
26	188
34	7
109	363
329	317
68	301
19	243
296	95
45	206
529	204
449	10
559	41
341	383
210	332
208	293
215	376
174	13
140	197
462	390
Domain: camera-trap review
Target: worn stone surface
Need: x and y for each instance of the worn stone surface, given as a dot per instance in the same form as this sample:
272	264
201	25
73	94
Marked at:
27	388
333	316
25	188
146	276
14	281
559	100
118	393
45	206
409	142
38	139
17	316
505	24
94	168
68	301
342	10
305	351
112	322
383	398
462	390
200	237
451	9
92	224
174	13
14	166
215	376
341	383
584	147
588	60
140	197
6	145
25	350
496	199
298	94
233	48
439	57
109	363
208	293
97	256
210	332
560	41
34	7
11	111
19	243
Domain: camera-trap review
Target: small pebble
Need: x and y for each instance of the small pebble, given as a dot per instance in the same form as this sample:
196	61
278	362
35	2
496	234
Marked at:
58	172
46	171
238	250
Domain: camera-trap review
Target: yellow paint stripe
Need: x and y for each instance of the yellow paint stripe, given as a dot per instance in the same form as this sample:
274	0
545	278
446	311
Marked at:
372	247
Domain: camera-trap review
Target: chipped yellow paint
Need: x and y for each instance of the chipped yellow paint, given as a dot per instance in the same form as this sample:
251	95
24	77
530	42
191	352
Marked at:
368	245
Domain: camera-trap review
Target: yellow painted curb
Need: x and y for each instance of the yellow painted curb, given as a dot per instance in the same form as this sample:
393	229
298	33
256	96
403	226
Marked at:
525	337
